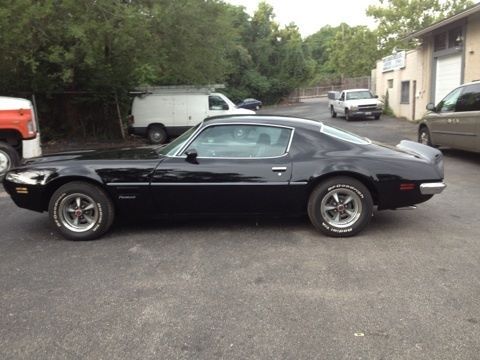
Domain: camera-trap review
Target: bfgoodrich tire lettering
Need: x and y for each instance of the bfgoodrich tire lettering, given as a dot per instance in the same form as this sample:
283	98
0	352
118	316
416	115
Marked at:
340	207
81	211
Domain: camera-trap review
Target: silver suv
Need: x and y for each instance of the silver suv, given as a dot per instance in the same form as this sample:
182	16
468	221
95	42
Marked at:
455	121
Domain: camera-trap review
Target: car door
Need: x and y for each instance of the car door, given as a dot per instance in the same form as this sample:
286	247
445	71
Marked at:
467	118
239	168
217	106
441	122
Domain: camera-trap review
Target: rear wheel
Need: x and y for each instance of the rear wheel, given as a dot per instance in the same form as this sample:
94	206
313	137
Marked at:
332	112
347	115
340	207
8	159
81	211
424	136
156	134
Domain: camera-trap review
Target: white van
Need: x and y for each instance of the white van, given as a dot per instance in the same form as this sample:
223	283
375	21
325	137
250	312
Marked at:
159	115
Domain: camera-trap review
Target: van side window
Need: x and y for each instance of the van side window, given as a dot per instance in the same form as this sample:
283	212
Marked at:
217	103
470	99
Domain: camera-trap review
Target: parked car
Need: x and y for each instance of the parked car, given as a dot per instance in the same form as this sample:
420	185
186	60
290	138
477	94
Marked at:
252	104
454	121
164	113
355	103
19	134
232	165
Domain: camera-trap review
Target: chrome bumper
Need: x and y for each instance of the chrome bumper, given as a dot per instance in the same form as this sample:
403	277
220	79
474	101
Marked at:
432	188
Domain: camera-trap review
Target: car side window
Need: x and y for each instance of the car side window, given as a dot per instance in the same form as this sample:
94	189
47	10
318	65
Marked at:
217	103
449	103
470	99
241	141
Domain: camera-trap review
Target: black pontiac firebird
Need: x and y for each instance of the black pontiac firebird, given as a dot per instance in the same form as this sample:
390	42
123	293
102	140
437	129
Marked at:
249	164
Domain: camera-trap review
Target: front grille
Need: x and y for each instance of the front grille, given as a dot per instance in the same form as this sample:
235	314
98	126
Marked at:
367	107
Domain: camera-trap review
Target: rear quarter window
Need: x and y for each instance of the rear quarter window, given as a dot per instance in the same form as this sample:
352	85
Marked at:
344	135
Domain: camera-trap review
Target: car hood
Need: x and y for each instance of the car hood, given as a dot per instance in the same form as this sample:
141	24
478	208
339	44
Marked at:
364	102
146	152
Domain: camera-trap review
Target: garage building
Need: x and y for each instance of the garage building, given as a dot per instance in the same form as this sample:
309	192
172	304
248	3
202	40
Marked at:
448	56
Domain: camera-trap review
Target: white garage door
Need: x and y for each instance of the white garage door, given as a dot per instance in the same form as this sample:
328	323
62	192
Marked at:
448	76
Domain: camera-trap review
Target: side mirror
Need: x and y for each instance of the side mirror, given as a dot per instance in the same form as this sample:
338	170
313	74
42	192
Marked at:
430	107
191	156
225	107
376	96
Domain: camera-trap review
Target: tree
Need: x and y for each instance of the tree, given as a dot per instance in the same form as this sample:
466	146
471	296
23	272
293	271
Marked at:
398	18
343	51
353	51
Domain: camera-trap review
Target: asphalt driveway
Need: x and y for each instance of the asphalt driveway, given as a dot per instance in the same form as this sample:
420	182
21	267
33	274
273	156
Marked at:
406	287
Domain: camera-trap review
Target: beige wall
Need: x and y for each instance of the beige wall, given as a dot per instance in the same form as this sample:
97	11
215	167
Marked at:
417	69
472	49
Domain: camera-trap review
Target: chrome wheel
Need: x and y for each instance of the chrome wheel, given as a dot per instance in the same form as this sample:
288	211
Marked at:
5	162
156	135
341	208
78	212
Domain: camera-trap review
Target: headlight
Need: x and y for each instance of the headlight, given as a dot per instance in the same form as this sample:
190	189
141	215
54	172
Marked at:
353	107
29	177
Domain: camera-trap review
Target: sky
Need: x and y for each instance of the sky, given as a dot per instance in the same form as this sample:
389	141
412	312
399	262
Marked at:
311	15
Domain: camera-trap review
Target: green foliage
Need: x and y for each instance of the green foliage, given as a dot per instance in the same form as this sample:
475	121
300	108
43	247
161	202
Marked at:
79	56
398	18
343	51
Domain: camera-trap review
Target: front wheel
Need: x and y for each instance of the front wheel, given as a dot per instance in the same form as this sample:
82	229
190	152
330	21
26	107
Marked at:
81	211
8	159
424	136
340	207
377	117
347	115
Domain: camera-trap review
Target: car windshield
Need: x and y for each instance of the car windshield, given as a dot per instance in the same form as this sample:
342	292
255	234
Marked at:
172	148
358	95
344	135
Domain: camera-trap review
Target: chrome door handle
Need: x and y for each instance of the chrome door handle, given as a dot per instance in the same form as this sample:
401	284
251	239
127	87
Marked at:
279	168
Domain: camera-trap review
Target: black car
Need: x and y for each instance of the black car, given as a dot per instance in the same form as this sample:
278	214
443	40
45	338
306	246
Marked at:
247	164
252	104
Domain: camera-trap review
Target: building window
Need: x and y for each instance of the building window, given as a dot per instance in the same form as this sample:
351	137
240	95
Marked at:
390	83
405	94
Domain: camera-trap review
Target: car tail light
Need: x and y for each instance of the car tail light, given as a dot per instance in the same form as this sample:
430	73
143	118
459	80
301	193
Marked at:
31	127
407	186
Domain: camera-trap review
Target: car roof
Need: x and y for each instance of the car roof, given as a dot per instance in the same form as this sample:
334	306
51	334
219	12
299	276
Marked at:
265	119
470	83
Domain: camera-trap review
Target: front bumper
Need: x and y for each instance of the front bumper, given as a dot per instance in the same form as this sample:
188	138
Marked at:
432	188
361	113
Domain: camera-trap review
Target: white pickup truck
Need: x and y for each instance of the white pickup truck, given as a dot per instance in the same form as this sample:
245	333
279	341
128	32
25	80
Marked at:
354	103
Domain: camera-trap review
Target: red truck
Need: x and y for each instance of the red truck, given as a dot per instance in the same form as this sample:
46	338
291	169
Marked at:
19	134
